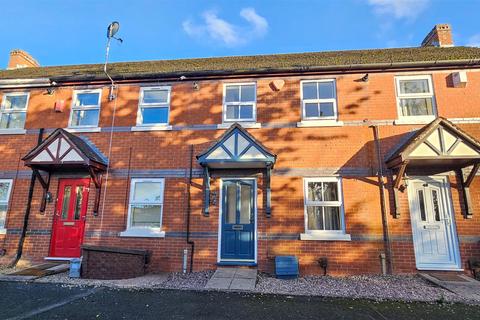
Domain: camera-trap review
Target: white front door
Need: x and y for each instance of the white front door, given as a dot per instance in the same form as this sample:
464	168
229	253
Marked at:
433	225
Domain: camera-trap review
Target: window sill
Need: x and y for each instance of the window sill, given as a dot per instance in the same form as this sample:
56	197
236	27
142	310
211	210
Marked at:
247	125
414	120
84	129
13	131
152	128
319	123
3	231
326	237
143	233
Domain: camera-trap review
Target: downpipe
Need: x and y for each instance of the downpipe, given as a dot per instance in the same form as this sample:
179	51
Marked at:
189	211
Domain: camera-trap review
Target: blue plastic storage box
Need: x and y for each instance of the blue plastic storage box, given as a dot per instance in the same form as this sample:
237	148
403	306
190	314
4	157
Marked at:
286	267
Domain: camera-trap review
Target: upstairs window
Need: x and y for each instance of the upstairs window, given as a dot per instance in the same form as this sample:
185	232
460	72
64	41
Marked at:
5	189
415	96
323	205
319	100
14	110
85	108
239	102
154	106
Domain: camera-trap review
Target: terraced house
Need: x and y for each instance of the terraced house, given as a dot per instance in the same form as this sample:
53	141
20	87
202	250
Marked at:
353	161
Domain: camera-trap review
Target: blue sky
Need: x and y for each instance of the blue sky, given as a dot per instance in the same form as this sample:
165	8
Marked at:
74	32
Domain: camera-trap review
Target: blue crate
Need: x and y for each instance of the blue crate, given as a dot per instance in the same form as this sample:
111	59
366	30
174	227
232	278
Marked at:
286	267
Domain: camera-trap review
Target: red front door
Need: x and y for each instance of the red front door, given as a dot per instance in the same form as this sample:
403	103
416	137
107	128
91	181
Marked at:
69	218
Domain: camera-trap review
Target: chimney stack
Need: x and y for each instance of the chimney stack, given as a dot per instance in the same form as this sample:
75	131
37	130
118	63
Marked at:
21	59
440	36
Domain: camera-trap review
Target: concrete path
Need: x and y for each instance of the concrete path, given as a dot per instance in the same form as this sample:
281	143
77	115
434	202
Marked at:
233	279
456	283
50	302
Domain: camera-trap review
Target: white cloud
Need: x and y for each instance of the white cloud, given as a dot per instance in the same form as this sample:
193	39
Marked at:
474	41
215	28
399	9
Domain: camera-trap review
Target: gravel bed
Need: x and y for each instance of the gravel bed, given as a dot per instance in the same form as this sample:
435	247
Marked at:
189	281
376	287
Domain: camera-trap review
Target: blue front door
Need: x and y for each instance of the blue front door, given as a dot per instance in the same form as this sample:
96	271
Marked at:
238	220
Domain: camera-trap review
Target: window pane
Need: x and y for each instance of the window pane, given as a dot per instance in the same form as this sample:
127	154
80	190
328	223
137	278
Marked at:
326	90
66	201
231	204
315	218
315	191
146	216
326	109
154	115
332	218
3	215
310	90
78	202
85	118
14	120
436	209
232	112
155	96
87	99
248	93
330	191
16	102
147	192
417	107
422	205
414	86
246	112
232	94
4	191
311	110
245	204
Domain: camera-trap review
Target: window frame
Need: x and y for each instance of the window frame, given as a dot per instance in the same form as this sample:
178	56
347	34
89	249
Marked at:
305	101
399	96
7	202
89	107
224	103
144	231
24	110
141	105
339	203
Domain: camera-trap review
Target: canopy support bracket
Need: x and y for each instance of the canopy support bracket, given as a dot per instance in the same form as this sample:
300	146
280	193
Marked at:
45	186
206	185
97	179
397	188
465	185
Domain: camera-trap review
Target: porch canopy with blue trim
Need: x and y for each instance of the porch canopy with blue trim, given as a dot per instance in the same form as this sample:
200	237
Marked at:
236	149
436	148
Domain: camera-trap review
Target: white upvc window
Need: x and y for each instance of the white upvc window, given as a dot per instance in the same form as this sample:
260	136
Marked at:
145	208
5	190
154	106
324	214
415	97
319	99
13	110
240	102
85	108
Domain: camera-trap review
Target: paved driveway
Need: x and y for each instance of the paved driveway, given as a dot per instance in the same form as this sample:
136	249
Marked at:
49	301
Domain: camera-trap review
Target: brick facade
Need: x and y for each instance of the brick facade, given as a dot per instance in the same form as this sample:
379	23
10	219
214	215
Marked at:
347	151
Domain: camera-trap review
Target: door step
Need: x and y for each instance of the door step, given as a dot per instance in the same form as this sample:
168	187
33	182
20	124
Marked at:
238	279
460	284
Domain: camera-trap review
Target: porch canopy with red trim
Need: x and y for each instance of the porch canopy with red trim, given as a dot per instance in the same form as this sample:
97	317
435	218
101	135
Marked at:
236	150
438	147
63	151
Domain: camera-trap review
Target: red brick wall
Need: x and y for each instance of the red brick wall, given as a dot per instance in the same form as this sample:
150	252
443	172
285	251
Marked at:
349	148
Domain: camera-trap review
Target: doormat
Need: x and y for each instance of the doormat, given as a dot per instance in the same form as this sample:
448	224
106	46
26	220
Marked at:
41	270
448	277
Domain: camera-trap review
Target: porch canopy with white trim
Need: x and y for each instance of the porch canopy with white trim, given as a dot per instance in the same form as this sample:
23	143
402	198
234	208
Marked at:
63	151
436	148
236	150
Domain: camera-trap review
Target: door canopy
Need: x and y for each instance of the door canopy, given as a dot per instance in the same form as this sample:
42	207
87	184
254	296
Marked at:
236	149
438	147
63	151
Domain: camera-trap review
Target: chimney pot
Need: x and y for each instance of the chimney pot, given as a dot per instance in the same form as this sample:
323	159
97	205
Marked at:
21	59
439	36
